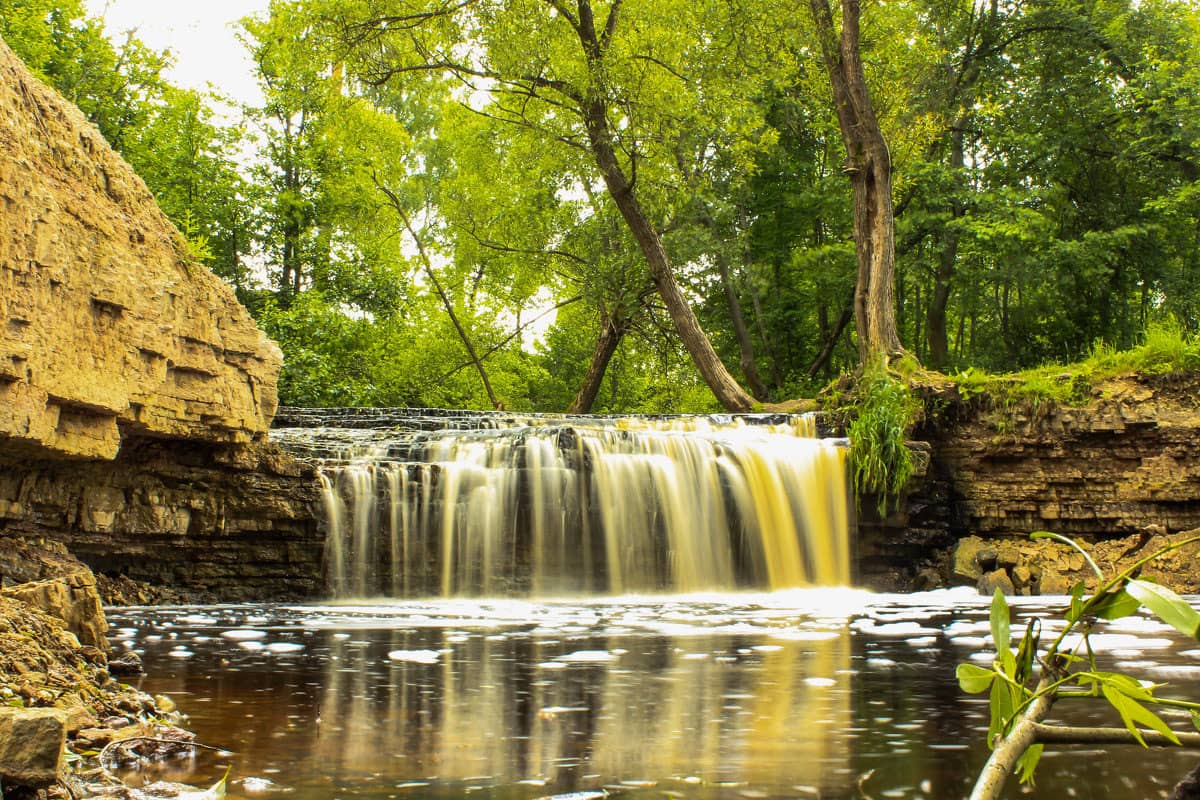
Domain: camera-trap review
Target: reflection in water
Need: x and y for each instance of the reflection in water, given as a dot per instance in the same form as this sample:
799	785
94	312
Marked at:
740	696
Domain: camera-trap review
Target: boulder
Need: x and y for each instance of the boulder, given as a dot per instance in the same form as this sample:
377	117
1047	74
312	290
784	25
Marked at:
72	599
31	746
996	579
965	559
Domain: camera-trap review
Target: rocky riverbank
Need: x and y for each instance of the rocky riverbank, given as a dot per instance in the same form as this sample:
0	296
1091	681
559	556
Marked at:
1119	471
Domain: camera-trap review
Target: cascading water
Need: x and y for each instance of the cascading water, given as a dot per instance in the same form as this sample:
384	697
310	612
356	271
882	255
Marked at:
555	506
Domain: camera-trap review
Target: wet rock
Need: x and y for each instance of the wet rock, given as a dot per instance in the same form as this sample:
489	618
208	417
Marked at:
116	723
927	578
126	665
72	599
164	703
965	562
996	579
988	559
31	746
94	737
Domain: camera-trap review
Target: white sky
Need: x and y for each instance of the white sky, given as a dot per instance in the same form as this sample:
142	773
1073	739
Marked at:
199	35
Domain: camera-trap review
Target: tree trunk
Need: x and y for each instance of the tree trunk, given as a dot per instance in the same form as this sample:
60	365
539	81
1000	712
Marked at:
831	340
610	337
935	318
745	345
869	166
594	110
427	263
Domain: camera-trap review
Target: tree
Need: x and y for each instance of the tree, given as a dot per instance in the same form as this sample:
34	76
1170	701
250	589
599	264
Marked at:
573	76
869	166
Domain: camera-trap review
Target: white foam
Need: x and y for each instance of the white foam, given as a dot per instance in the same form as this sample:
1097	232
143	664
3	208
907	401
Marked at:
415	656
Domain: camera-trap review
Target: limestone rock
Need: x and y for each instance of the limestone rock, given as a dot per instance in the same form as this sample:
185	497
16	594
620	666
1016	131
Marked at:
31	746
996	579
108	329
965	559
72	599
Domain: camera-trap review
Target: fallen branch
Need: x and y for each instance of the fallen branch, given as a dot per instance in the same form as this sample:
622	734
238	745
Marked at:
1061	734
119	743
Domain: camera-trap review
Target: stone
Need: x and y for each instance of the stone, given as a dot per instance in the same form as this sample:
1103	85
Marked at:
31	746
164	704
95	737
1022	576
996	579
126	665
964	559
987	559
78	718
72	599
108	327
927	578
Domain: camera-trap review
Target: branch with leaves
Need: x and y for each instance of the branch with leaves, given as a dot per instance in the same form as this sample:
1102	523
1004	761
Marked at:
1021	696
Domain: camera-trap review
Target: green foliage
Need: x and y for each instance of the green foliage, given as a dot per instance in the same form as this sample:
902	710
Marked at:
1165	348
1070	673
883	410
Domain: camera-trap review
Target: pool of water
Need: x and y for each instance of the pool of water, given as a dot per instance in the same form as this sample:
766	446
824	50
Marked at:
805	694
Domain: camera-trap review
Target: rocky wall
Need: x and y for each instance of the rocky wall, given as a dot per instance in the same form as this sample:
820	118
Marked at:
208	522
1125	464
108	329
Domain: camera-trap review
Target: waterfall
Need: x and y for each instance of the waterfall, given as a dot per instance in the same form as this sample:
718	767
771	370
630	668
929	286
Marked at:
554	506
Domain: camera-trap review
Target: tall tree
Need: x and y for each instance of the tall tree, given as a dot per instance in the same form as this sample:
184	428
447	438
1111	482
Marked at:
869	166
563	70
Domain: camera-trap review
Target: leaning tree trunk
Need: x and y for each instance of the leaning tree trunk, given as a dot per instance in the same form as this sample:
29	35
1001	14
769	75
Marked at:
728	392
611	333
935	317
594	111
869	166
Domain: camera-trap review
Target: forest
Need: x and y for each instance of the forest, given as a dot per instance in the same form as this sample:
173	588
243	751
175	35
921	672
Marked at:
546	205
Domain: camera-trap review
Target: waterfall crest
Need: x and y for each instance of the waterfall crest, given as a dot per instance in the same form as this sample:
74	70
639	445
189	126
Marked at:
562	506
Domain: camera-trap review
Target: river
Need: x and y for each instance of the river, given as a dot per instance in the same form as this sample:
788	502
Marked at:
817	693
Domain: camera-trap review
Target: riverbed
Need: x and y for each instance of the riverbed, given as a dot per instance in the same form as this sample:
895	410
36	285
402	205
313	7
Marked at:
832	694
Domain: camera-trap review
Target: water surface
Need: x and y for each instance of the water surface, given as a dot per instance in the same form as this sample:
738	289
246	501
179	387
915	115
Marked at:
804	694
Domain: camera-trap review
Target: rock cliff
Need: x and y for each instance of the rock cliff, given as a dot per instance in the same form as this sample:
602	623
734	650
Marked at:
1125	464
107	328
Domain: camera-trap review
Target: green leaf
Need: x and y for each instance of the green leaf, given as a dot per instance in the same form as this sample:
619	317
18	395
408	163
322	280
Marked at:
1196	719
1167	606
1002	705
1028	762
1001	622
1115	606
1028	649
973	679
1134	714
1076	602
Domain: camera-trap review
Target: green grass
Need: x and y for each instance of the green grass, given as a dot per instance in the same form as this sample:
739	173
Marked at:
1165	348
882	411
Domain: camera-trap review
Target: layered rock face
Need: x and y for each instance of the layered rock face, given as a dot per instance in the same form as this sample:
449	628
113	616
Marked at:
209	522
107	328
1125	465
135	392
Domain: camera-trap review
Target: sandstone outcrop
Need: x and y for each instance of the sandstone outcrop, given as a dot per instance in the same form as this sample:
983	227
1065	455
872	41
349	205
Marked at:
108	329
